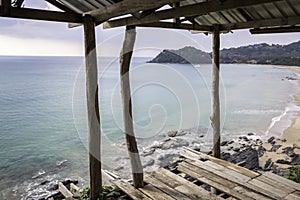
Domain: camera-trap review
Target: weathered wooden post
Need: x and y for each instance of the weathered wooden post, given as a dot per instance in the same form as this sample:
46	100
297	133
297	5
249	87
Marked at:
215	116
125	58
92	107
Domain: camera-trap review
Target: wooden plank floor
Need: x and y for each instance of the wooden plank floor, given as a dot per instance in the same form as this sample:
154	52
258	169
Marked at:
197	173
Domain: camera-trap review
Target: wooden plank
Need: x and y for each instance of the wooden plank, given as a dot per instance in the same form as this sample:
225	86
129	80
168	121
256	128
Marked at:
134	193
64	191
60	6
171	25
94	132
275	184
220	171
291	29
195	155
35	14
207	175
292	196
250	193
193	172
182	185
165	188
262	23
125	59
199	9
215	111
155	193
266	189
126	7
282	180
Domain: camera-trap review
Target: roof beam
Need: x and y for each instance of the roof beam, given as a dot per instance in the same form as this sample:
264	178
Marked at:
126	7
172	25
199	9
287	21
28	13
275	30
60	6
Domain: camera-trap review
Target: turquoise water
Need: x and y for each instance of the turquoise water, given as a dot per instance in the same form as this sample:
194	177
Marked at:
43	119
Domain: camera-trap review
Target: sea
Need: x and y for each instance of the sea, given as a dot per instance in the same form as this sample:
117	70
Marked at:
43	120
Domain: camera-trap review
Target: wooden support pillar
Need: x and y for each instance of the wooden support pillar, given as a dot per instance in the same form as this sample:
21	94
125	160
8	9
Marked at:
125	58
215	116
92	107
5	7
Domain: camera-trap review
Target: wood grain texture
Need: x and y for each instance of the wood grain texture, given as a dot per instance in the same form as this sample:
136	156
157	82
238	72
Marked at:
92	108
125	59
215	113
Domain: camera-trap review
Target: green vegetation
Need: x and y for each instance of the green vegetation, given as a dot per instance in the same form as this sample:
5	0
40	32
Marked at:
108	193
253	54
294	174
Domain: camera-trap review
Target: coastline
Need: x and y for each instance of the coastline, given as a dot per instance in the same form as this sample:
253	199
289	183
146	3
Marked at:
291	134
290	137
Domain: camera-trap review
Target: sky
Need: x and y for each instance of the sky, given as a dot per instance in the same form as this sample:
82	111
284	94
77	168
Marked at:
41	38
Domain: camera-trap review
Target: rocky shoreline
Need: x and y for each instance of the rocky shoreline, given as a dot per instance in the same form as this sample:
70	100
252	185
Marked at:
249	151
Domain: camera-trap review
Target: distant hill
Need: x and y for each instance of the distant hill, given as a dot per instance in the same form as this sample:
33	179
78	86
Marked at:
256	54
183	56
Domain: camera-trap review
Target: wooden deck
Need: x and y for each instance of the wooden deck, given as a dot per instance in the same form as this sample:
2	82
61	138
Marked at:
193	177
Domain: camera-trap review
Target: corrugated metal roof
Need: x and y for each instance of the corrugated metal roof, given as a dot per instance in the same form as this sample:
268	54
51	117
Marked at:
81	6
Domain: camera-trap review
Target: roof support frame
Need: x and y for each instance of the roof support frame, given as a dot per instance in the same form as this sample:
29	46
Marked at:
35	14
290	29
287	21
199	9
126	7
5	7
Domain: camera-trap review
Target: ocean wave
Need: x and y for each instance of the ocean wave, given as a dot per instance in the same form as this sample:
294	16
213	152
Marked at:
256	111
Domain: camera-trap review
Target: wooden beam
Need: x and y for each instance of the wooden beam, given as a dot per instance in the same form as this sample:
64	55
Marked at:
171	25
275	30
215	116
125	58
126	7
5	7
286	21
35	14
92	107
60	6
199	9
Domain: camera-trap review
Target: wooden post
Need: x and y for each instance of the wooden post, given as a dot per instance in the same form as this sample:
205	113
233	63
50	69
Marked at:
92	107
125	58
5	7
215	116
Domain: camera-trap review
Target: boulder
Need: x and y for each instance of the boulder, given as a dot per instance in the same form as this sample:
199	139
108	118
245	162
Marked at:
149	163
268	164
172	133
281	161
248	156
296	160
270	140
275	147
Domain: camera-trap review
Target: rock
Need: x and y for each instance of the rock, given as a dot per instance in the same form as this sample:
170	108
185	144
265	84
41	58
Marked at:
283	140
250	134
224	143
181	133
149	163
281	161
288	151
236	149
148	151
261	150
273	142
119	168
248	156
268	164
175	143
271	139
167	159
296	160
201	136
44	182
231	142
172	133
275	147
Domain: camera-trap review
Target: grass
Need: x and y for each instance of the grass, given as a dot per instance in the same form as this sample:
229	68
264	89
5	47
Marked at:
108	193
294	174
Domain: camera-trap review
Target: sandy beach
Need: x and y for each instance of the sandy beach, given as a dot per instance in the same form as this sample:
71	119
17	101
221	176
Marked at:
290	138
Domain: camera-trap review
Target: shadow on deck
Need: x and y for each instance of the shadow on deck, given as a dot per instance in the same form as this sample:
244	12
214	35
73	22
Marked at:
194	175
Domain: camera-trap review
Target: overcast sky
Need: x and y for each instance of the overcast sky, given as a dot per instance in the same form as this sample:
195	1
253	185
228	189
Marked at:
28	37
